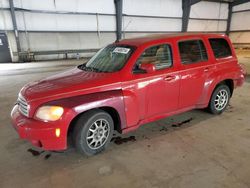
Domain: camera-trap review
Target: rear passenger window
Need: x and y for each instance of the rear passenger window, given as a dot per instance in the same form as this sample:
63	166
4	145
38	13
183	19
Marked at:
220	47
160	56
192	51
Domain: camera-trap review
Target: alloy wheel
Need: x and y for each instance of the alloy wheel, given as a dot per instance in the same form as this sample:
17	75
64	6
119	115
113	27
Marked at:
221	100
98	134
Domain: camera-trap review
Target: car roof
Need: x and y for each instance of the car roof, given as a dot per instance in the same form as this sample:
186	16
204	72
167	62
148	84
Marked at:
156	37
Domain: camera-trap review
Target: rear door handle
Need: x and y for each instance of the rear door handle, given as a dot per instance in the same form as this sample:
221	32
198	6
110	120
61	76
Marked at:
169	78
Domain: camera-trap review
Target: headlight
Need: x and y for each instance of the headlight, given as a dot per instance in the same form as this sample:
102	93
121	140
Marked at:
49	113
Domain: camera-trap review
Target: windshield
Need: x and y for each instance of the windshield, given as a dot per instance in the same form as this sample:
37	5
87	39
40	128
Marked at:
109	59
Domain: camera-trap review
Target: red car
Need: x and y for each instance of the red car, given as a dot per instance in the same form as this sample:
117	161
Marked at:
127	84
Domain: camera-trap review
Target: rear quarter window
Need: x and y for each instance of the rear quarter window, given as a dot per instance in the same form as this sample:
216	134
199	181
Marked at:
220	47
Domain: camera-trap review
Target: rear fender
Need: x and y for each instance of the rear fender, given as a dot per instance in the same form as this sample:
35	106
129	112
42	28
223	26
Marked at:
209	87
221	73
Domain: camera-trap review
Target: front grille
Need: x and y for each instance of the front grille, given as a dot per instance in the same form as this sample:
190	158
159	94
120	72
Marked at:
23	106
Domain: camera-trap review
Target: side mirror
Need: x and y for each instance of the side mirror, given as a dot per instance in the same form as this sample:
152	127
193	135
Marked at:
148	67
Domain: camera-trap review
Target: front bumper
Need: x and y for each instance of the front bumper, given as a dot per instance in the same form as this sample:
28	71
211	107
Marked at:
40	134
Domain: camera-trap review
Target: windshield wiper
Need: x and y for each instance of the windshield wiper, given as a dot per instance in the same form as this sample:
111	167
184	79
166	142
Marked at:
92	69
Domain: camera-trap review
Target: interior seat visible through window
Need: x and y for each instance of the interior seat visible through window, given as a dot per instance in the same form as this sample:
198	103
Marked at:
192	51
159	55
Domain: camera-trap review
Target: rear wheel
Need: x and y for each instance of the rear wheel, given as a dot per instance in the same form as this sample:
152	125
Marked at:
220	99
93	132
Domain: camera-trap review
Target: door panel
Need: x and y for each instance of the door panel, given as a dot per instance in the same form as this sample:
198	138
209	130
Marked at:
194	71
151	94
4	49
193	78
163	93
148	94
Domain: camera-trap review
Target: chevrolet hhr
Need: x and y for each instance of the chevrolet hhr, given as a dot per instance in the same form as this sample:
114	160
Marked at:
124	85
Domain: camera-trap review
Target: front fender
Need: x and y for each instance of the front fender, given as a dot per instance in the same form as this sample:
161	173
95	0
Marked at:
79	104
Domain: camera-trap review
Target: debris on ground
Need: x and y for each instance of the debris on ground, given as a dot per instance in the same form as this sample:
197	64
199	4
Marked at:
47	156
35	152
182	122
119	140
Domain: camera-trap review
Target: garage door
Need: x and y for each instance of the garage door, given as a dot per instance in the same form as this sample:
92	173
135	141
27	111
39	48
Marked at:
4	49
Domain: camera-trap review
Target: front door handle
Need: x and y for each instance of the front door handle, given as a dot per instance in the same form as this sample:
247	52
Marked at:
206	69
169	78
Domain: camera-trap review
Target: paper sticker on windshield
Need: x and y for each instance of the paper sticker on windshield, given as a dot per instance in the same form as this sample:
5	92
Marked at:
121	50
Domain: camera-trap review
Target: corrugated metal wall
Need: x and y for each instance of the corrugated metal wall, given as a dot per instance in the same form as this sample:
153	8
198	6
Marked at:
146	16
240	25
208	17
51	25
57	25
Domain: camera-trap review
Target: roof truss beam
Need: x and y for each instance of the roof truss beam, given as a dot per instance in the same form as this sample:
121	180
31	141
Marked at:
239	2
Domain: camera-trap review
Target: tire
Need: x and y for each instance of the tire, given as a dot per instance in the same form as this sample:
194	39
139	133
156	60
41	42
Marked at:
220	99
93	132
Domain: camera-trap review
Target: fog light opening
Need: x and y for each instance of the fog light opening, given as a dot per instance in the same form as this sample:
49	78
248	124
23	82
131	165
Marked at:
58	132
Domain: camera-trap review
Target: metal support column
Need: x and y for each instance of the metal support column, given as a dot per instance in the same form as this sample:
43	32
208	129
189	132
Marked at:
230	12
186	6
16	33
118	10
229	18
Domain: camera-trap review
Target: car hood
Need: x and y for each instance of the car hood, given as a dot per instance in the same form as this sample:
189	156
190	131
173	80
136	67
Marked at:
70	83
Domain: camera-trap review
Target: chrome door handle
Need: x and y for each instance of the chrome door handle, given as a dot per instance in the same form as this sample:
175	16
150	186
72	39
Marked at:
169	78
206	69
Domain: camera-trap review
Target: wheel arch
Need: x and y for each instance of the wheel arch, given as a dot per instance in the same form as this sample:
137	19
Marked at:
215	107
209	88
230	84
227	82
108	109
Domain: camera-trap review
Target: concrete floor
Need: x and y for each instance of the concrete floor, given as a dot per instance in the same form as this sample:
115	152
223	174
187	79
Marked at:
209	151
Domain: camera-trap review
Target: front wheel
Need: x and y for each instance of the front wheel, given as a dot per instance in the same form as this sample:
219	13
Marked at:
93	132
220	99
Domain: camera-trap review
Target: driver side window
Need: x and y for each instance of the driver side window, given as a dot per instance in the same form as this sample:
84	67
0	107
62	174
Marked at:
160	56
